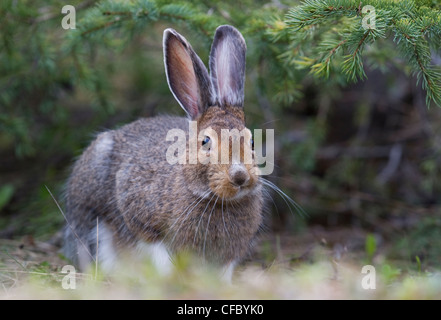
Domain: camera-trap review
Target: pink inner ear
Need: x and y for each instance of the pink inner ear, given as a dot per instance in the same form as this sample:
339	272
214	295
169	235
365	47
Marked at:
223	71
228	73
182	77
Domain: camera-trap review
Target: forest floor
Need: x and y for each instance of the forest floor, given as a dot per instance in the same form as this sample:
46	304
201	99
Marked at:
315	264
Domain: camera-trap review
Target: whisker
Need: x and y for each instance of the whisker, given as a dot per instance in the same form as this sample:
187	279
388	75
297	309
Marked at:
223	219
268	194
200	219
267	122
200	198
70	226
208	224
228	211
285	197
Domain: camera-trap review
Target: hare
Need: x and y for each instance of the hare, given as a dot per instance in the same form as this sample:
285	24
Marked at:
123	194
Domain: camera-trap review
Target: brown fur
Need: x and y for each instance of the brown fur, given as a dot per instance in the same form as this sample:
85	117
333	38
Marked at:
124	181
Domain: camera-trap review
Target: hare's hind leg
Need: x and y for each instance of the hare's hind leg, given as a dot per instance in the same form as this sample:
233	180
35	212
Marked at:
93	248
77	249
227	272
88	199
157	253
105	250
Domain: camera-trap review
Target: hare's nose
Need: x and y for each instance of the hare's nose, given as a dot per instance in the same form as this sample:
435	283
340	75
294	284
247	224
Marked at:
239	174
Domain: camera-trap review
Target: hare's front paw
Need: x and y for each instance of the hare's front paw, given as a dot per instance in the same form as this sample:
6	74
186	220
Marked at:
227	272
158	254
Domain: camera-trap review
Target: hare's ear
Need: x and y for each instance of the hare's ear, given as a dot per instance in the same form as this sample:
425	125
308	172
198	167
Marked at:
227	66
187	75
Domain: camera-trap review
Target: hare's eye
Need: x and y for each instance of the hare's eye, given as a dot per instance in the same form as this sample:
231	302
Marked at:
206	140
206	143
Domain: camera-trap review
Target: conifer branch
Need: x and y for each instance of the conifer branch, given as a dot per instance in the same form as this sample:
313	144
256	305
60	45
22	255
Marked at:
415	28
299	37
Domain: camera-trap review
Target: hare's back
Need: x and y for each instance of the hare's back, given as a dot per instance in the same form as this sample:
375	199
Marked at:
146	137
155	127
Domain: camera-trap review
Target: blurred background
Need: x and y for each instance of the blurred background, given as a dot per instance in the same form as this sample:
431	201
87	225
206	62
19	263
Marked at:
362	159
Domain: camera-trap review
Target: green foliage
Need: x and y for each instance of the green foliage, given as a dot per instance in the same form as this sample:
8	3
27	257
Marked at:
342	32
370	246
422	243
418	261
42	63
26	274
304	155
389	273
6	193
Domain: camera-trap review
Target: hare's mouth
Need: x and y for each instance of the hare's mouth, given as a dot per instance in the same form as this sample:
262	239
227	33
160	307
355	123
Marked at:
232	191
242	192
233	182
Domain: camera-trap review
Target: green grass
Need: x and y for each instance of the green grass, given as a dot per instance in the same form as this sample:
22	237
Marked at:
34	271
